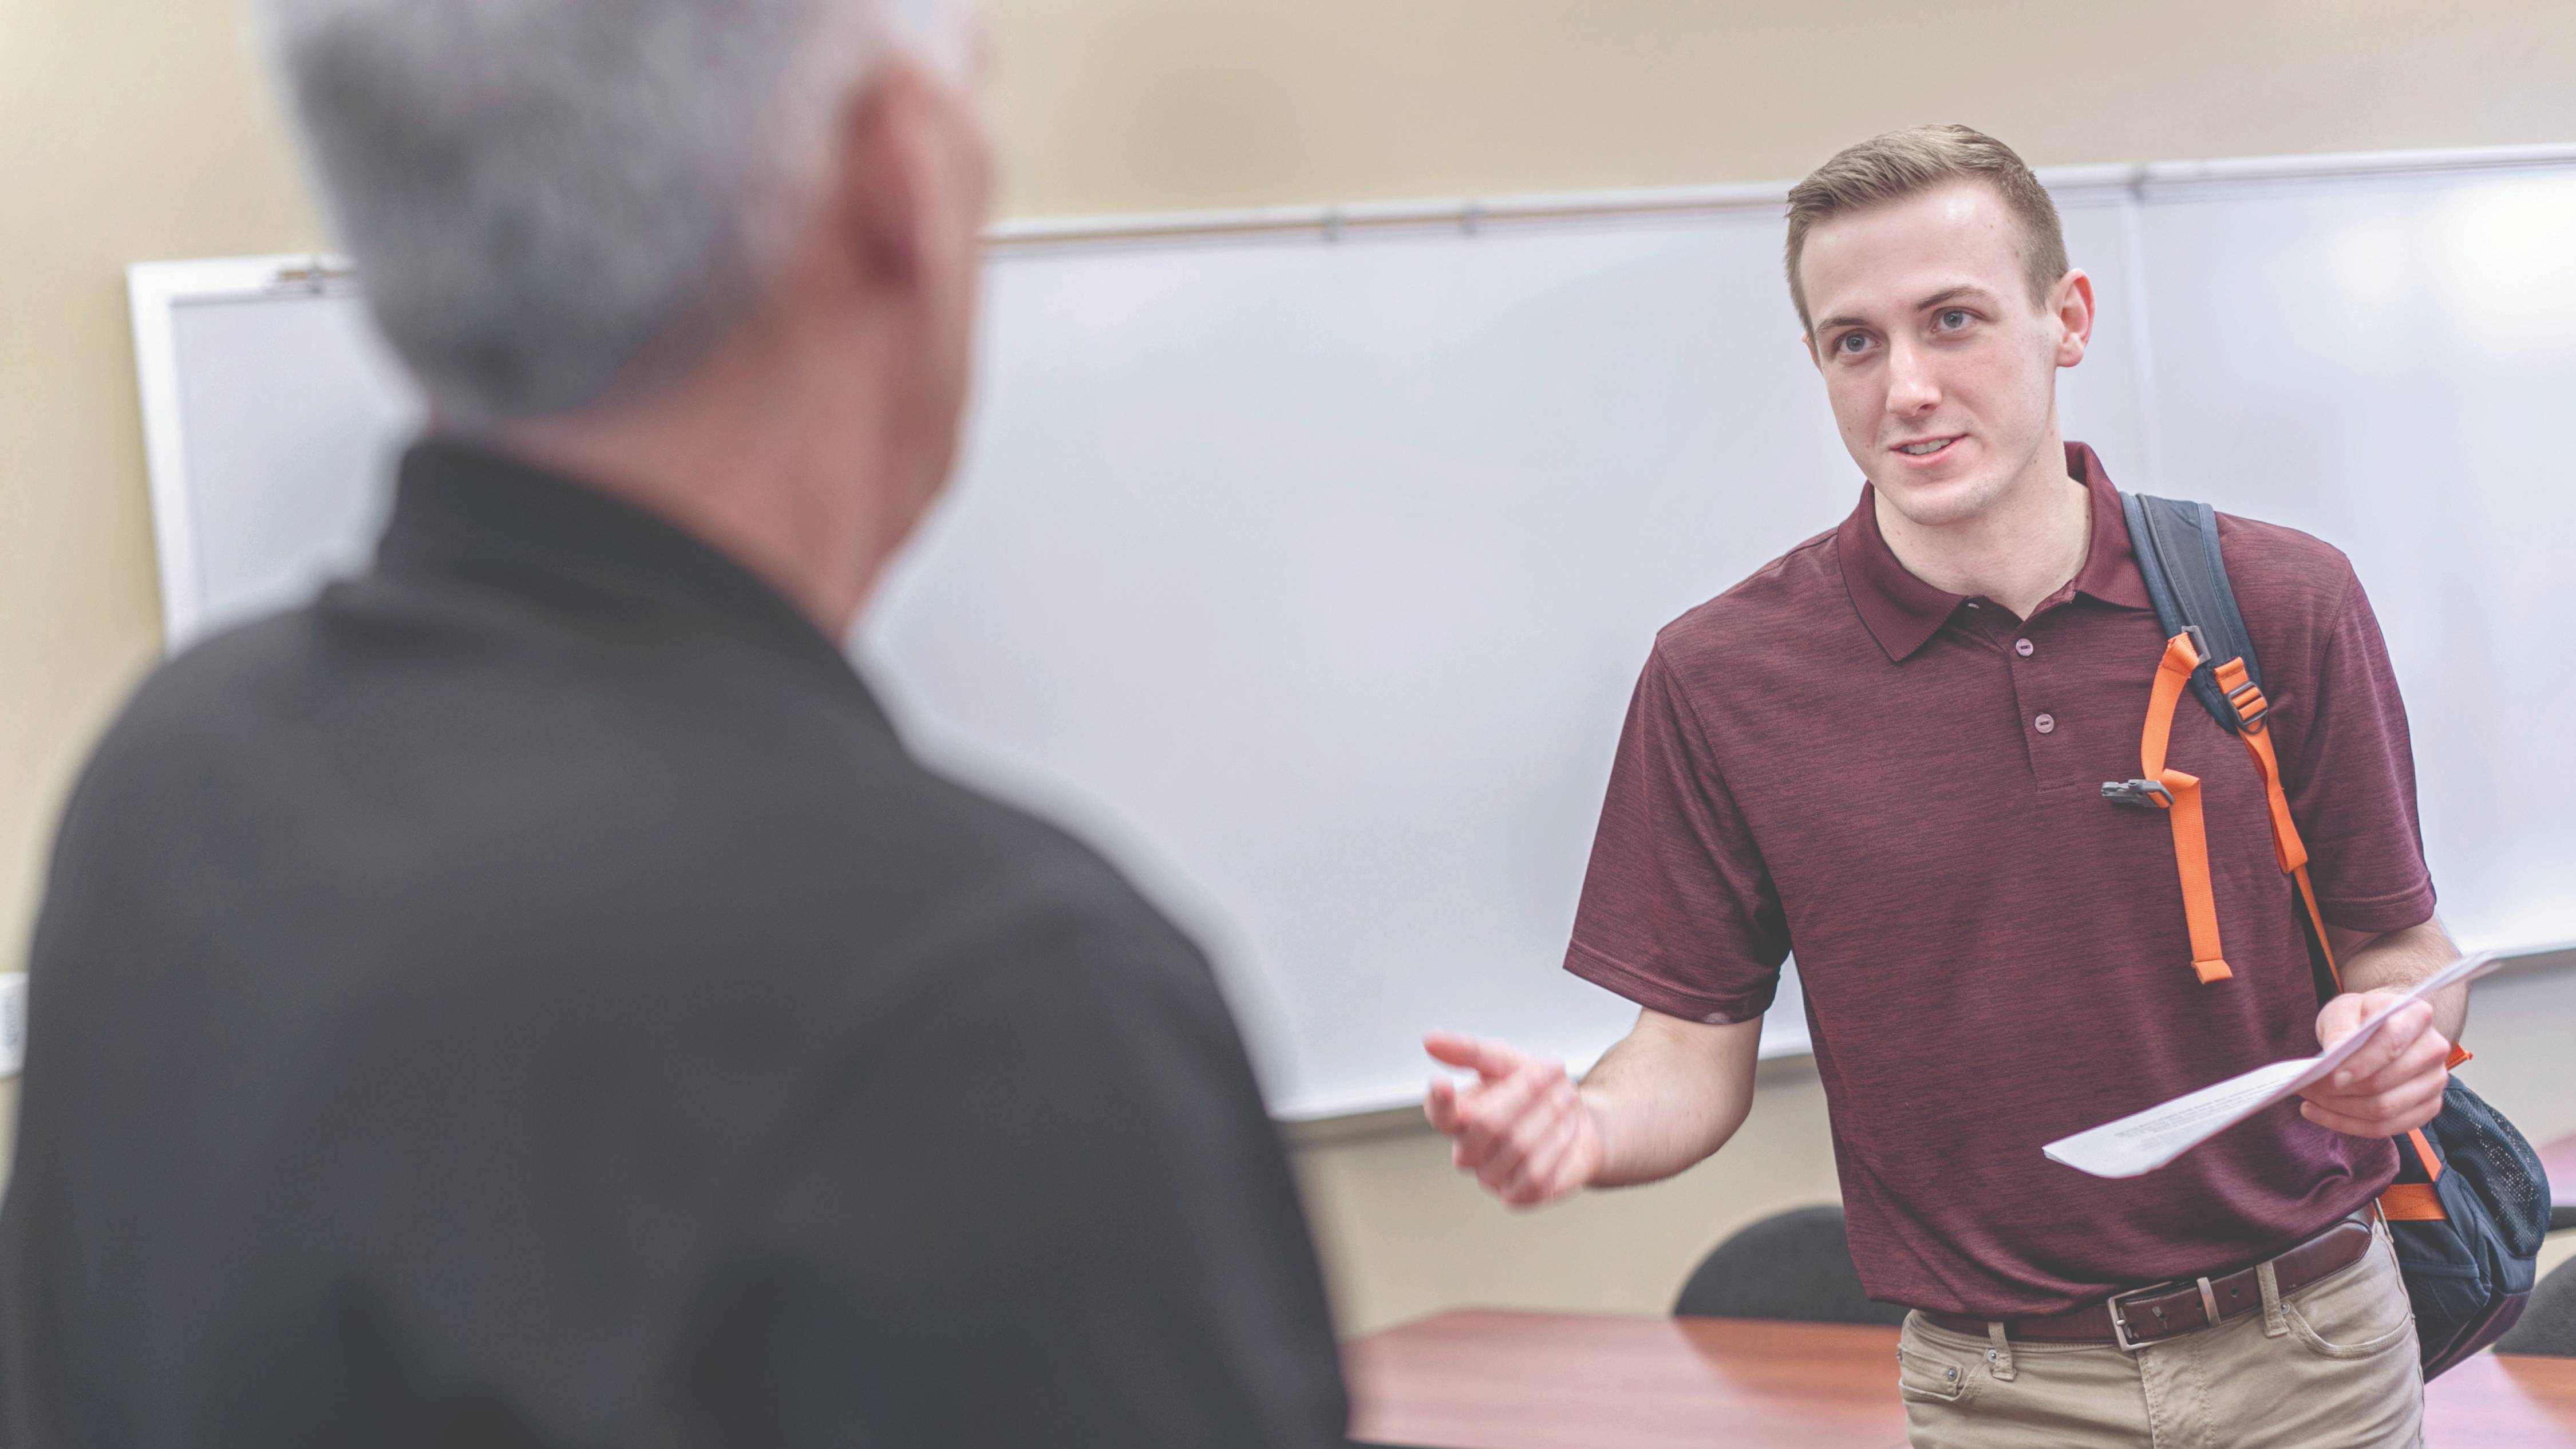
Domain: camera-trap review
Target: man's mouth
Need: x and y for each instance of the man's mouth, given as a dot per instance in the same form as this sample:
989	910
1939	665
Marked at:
1926	447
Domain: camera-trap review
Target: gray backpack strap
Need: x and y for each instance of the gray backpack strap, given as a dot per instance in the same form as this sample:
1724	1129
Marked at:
2176	544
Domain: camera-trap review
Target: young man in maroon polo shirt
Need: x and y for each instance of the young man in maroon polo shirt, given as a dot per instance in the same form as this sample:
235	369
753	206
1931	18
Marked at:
1885	750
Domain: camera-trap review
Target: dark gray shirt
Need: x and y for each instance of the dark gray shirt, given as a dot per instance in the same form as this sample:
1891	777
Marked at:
530	997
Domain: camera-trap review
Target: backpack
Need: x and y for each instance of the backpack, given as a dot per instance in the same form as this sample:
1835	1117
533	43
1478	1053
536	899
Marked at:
2471	1200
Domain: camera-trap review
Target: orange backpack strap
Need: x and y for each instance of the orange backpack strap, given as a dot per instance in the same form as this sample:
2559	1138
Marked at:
2412	1202
2416	1202
2178	795
2251	708
2287	849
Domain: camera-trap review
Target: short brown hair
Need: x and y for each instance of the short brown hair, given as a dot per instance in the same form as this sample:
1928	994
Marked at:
1906	163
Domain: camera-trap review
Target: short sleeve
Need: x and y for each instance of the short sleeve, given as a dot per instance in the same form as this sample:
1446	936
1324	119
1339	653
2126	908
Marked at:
1678	913
2352	785
1048	1209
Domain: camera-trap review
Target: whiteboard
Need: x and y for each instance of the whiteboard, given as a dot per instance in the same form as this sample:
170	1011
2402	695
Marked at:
1307	569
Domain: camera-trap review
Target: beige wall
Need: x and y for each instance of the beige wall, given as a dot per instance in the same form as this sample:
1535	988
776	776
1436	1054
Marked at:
1125	104
132	130
129	130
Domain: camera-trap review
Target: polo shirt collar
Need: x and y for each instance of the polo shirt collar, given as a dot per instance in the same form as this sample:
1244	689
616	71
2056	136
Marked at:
471	514
1903	612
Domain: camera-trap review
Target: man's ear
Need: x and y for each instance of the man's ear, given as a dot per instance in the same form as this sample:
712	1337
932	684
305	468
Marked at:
2071	300
1808	341
882	191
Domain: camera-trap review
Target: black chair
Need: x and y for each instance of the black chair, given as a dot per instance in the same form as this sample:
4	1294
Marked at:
2548	1323
1795	1266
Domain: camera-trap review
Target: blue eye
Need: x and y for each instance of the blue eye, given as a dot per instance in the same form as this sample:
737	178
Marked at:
1954	319
1852	341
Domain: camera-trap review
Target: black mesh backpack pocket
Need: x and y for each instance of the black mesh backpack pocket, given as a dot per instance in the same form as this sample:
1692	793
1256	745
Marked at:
2469	1272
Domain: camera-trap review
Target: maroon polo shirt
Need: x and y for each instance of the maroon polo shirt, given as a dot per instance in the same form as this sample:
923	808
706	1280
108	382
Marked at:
1904	786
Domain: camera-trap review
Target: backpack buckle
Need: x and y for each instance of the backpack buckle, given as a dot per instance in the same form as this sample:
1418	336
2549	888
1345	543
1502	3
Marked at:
2144	794
2250	714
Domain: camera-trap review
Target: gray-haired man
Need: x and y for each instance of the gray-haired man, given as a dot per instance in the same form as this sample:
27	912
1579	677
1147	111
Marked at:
528	996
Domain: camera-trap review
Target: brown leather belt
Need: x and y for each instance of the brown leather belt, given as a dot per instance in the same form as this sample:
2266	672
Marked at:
2164	1310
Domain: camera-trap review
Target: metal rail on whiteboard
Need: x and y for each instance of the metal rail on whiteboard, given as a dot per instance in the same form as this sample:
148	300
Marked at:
1331	223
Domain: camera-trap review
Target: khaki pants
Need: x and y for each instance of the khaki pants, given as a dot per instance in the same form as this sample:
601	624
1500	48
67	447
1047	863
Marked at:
2333	1364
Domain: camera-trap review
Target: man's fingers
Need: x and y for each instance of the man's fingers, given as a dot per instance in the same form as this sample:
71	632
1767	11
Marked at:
1522	1139
2419	1076
2341	1014
1487	1059
1475	1136
2336	1121
2384	1114
1492	1112
2379	1051
1440	1104
1521	1186
2386	1045
1542	1177
2374	1128
2422	1059
2394	1111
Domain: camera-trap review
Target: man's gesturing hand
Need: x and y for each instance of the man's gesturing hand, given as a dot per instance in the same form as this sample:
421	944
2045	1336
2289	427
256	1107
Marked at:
1522	1128
2394	1083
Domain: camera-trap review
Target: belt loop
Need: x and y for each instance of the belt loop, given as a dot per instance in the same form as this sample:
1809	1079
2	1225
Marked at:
2001	1354
2275	1322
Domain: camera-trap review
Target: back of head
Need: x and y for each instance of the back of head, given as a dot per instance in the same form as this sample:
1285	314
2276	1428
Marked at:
553	202
1901	164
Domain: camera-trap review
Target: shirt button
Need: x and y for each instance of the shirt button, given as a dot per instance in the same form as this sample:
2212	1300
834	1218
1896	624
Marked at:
2022	647
2045	724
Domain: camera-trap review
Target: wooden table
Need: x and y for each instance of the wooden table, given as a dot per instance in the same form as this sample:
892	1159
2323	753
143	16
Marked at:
1484	1380
2560	1158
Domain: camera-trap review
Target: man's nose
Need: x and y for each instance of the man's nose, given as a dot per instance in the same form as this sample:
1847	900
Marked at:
1911	389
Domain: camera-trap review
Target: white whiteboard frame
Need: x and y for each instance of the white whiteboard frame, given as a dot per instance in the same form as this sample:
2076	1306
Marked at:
155	292
157	289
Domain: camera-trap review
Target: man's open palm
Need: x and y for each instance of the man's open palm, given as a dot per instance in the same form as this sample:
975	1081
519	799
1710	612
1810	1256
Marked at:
1521	1126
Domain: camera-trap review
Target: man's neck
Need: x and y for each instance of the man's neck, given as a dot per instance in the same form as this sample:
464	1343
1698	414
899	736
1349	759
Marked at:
2018	552
758	467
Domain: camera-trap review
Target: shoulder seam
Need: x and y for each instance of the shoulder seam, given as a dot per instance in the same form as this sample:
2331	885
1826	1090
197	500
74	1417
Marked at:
1708	750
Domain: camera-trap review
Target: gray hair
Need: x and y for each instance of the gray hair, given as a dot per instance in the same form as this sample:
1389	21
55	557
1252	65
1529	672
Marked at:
551	202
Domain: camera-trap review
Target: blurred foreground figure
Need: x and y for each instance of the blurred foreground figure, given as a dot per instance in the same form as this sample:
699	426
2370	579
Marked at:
529	996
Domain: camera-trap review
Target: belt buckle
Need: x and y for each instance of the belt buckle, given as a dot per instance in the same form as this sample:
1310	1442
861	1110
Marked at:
2120	1321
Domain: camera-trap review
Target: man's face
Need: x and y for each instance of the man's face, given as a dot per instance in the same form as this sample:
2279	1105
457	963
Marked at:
1941	368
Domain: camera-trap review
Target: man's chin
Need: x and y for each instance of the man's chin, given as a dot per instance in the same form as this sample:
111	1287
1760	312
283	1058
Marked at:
1937	502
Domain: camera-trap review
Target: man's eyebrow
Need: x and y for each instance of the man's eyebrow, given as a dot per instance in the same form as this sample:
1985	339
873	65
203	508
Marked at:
1952	294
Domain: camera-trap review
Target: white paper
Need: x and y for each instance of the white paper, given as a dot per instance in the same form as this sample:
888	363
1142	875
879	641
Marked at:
2145	1141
